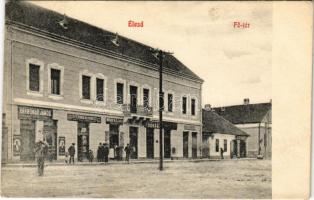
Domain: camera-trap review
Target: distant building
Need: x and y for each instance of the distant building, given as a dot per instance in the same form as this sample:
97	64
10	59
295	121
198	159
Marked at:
66	81
220	133
254	119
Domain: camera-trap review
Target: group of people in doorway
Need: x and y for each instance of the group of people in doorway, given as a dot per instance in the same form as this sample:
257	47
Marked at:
102	153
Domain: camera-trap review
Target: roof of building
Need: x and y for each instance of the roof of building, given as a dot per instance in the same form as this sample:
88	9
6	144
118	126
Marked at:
244	114
214	123
36	17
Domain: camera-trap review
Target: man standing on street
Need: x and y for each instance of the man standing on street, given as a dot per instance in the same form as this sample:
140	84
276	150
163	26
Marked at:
99	155
41	150
221	153
106	153
127	150
71	151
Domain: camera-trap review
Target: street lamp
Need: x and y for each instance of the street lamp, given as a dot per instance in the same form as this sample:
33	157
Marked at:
159	54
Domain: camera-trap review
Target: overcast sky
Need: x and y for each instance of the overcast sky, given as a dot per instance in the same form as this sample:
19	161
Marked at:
234	63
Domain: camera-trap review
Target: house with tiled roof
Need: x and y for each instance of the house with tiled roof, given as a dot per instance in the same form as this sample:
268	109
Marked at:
254	119
219	133
67	81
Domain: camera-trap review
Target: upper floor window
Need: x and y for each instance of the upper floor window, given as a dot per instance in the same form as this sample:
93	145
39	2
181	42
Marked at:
217	145
146	98
192	106
34	77
170	102
99	89
55	78
86	87
120	88
184	107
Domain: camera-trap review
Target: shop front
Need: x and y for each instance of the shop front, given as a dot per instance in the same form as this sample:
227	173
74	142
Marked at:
116	138
83	133
35	124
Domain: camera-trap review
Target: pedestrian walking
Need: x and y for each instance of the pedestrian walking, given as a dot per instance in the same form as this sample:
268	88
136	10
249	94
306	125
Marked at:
71	151
106	153
99	151
41	150
90	156
221	153
127	150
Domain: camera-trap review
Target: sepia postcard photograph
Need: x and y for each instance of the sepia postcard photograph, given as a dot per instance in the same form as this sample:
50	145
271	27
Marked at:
152	99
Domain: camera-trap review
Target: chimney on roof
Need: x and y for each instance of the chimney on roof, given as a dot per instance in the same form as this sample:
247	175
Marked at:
208	107
246	101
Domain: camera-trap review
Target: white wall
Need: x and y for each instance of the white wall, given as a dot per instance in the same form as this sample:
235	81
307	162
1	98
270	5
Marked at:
221	137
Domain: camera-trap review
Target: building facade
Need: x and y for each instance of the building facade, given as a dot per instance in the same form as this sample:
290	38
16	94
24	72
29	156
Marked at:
67	82
220	135
254	119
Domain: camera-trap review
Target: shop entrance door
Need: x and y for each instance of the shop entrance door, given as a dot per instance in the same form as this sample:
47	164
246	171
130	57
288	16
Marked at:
50	130
150	143
194	145
167	143
133	142
113	136
27	128
185	144
82	141
205	149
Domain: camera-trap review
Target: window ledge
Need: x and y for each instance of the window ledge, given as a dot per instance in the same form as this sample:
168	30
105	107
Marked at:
55	97
86	101
100	103
36	94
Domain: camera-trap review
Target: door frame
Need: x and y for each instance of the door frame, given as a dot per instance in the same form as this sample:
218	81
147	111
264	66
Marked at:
152	147
186	148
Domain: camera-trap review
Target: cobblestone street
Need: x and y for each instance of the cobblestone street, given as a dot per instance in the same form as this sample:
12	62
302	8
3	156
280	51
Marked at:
214	179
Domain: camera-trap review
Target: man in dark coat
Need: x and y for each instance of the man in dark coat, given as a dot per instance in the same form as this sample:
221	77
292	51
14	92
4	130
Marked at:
41	150
221	153
106	152
71	151
102	152
127	150
99	152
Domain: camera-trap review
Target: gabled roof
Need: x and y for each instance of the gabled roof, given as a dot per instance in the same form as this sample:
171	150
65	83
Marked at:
243	114
30	15
213	123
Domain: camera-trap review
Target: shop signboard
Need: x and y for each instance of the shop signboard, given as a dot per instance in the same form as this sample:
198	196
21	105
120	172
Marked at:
84	118
28	112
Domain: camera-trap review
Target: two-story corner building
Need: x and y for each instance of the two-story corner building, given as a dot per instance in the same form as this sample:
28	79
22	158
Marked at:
66	81
254	119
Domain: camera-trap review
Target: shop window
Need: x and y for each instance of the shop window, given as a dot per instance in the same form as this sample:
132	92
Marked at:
34	77
192	106
184	101
86	87
120	93
99	89
225	146
55	75
217	145
146	98
170	102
